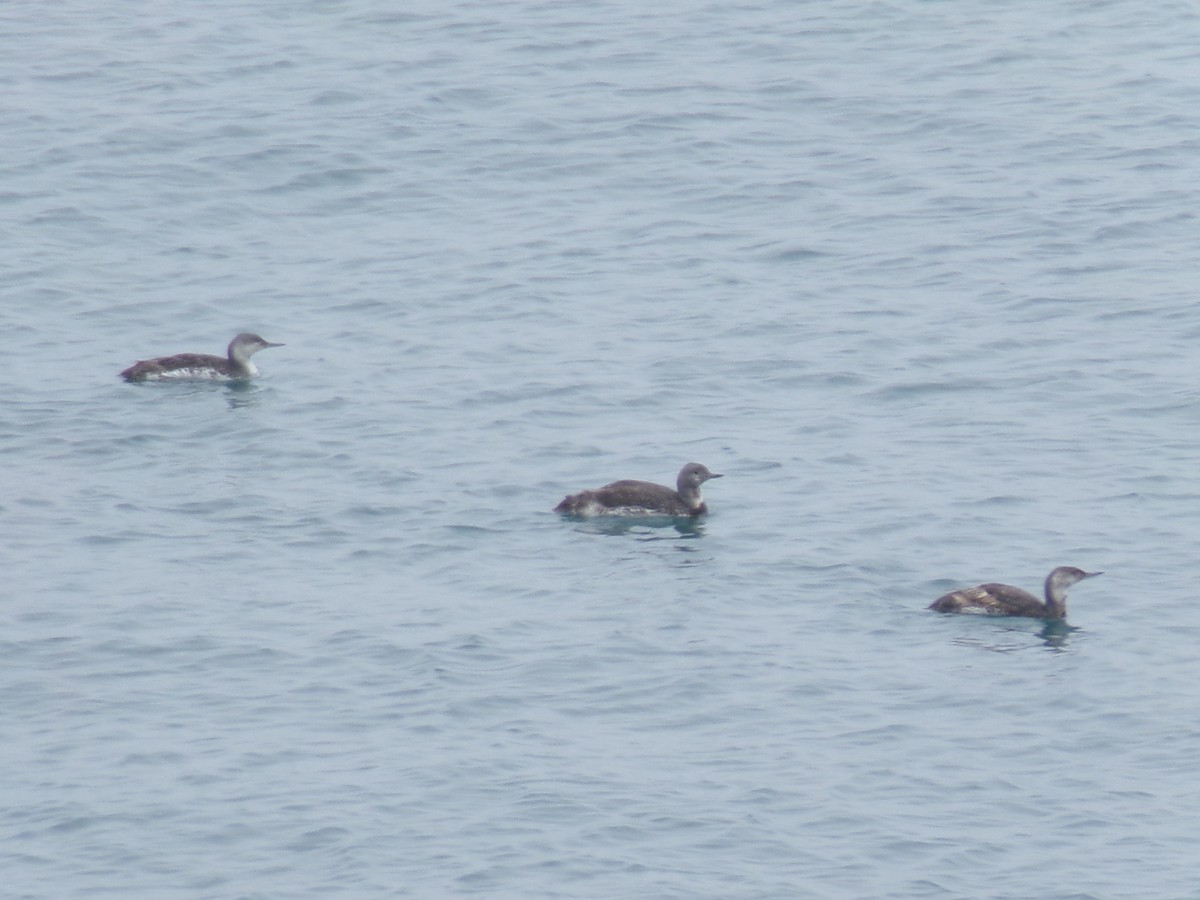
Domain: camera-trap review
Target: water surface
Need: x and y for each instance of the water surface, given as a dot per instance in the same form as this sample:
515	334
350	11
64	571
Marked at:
917	277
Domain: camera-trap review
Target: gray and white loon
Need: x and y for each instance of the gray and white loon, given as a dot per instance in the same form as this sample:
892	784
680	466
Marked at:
642	498
235	366
1006	600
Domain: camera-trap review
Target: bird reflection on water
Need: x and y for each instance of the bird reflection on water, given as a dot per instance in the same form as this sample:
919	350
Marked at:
1055	635
658	528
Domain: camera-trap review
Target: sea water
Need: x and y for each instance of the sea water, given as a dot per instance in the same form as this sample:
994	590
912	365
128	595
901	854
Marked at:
918	277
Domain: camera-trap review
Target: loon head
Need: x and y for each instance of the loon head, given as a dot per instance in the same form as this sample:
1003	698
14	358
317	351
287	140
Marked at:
692	476
245	345
1062	578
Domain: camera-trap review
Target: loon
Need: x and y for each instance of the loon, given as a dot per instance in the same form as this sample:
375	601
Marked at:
1006	600
641	498
236	366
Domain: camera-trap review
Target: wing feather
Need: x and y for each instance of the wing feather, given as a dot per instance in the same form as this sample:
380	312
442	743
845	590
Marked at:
992	600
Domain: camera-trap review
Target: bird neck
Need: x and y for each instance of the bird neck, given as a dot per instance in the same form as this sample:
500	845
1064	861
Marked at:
1056	601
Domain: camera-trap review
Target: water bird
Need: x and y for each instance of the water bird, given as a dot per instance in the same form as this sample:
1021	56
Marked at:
234	366
643	498
1006	600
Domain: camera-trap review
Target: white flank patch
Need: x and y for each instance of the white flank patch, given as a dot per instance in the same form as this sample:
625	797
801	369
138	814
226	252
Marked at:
201	374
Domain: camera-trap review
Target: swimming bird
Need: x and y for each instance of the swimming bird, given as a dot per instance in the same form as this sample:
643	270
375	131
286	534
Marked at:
642	498
235	366
1006	600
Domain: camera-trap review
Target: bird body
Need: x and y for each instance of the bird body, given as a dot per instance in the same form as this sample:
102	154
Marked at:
643	498
1006	600
236	365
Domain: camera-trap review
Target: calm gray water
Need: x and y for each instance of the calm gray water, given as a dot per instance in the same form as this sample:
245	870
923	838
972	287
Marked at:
918	277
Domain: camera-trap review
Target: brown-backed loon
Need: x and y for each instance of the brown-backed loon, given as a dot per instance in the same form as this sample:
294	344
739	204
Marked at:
235	366
1006	600
642	498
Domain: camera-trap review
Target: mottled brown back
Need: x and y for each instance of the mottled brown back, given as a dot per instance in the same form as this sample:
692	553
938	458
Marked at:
148	368
992	600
